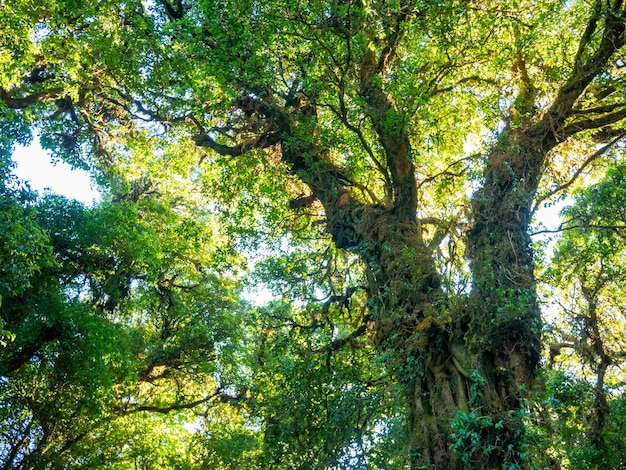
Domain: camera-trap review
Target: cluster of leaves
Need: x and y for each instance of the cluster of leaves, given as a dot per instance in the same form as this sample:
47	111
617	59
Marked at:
127	343
585	364
116	321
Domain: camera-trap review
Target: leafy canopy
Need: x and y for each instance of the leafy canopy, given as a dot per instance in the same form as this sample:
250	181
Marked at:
245	147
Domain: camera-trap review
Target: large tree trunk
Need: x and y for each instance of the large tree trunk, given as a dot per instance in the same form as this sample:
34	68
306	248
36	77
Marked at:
411	329
461	364
462	394
505	316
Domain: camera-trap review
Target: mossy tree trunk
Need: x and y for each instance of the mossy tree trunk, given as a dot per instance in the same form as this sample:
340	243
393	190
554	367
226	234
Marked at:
461	370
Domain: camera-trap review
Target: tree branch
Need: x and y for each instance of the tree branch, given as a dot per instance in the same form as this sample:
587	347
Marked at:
596	123
182	406
586	69
598	109
22	102
343	117
174	12
360	331
262	141
388	122
447	171
311	164
462	81
597	154
615	228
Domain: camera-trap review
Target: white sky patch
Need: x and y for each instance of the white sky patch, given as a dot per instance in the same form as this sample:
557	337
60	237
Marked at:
258	296
549	216
35	166
548	222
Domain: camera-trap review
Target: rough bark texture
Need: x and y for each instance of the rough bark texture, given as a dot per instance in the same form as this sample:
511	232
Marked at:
601	361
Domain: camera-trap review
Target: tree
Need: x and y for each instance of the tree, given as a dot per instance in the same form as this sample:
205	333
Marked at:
418	137
117	326
589	334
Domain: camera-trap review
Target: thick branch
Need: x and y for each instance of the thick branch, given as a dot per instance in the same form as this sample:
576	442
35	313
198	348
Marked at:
360	331
285	126
174	12
471	79
535	141
260	142
607	108
343	117
597	154
525	100
448	170
328	184
594	123
22	102
561	228
586	69
390	127
17	446
181	406
16	359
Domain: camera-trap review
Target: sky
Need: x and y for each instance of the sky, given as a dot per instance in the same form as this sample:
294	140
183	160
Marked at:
35	166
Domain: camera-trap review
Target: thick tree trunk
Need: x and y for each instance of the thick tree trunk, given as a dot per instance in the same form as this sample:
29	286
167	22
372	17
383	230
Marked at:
503	334
464	371
505	317
600	408
462	365
405	300
461	396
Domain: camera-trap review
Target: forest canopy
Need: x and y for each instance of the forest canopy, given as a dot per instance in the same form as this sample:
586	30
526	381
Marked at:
320	242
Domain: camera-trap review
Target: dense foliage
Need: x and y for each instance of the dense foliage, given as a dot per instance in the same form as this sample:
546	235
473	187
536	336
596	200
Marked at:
320	242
